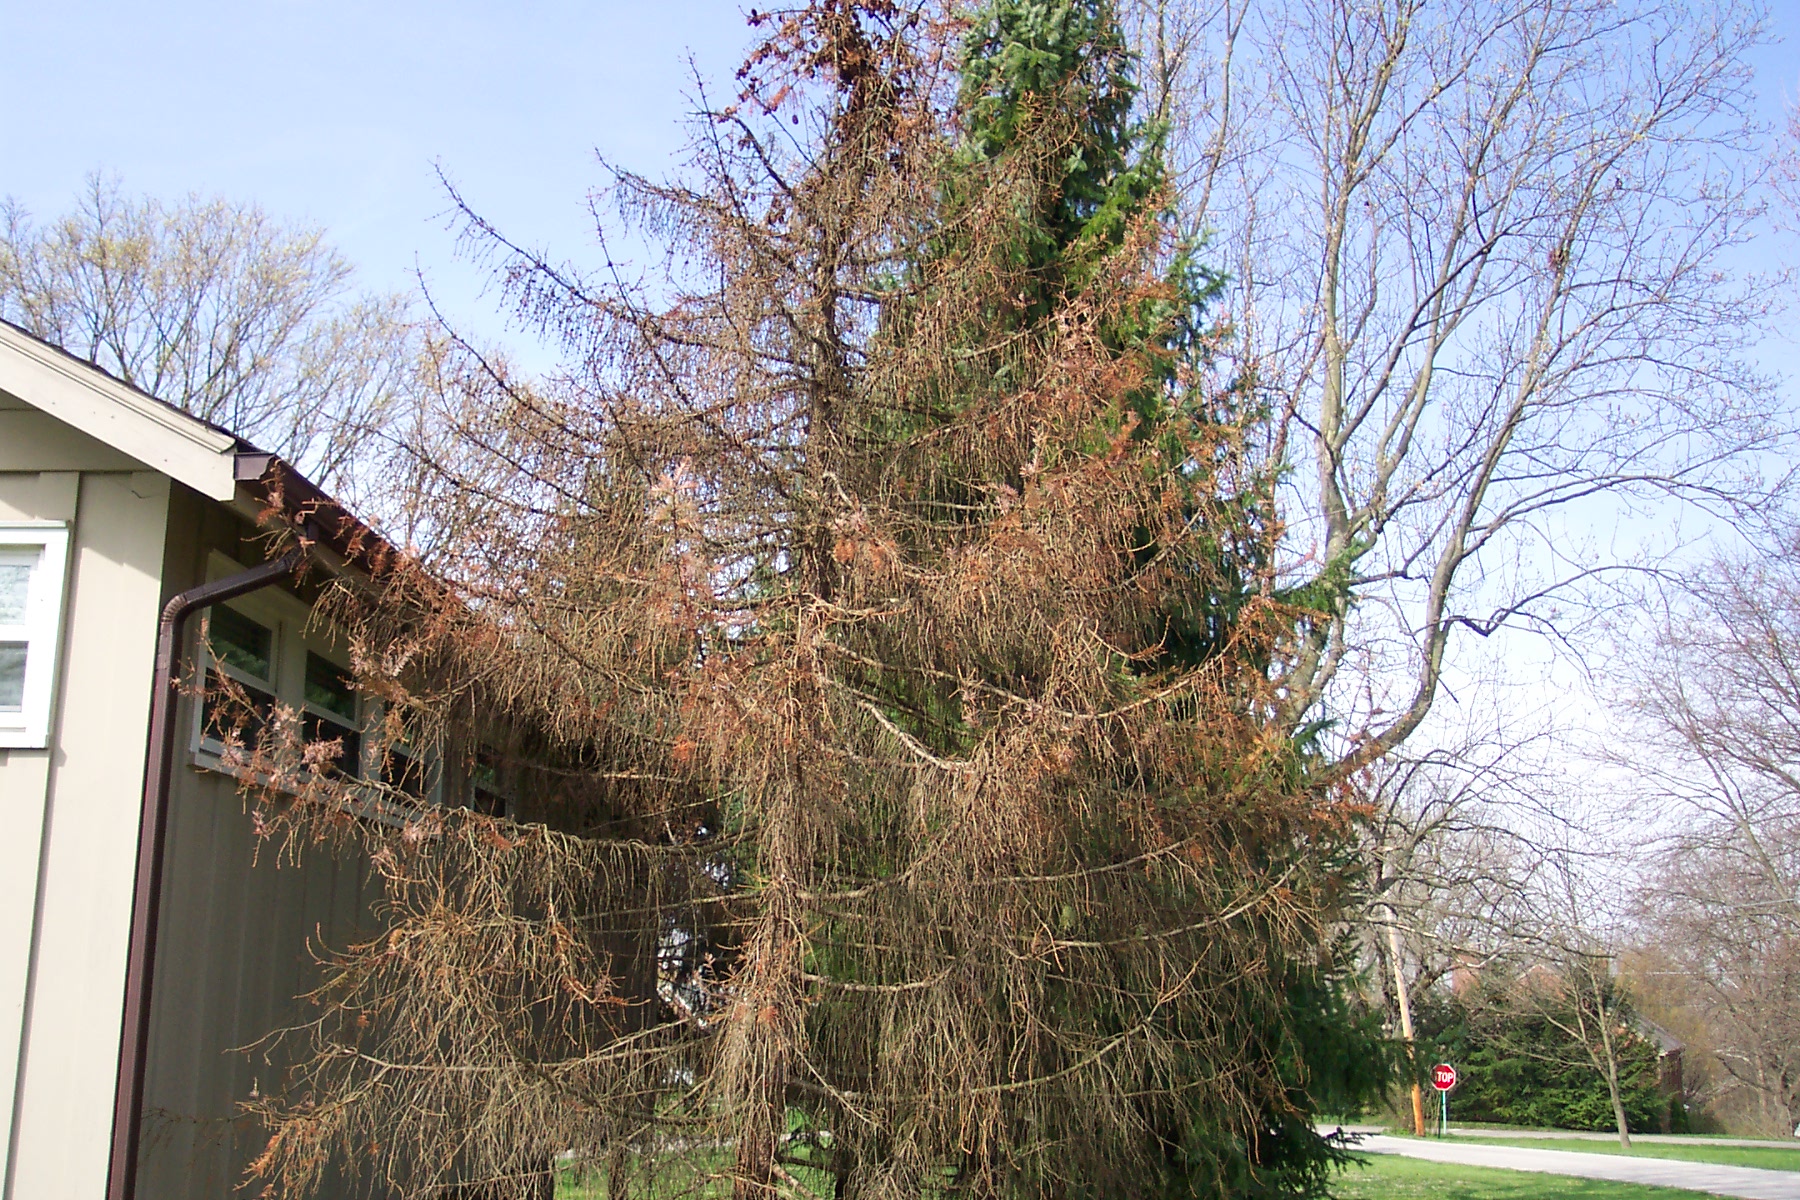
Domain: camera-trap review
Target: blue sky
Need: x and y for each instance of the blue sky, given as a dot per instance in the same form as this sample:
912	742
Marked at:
336	111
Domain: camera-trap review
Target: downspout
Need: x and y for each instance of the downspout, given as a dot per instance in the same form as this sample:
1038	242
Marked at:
153	823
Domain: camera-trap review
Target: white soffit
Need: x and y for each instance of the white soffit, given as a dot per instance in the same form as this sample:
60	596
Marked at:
92	401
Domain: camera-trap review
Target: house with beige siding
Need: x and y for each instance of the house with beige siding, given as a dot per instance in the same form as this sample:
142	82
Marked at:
142	940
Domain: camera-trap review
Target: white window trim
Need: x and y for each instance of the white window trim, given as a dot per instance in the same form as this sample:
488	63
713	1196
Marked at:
29	728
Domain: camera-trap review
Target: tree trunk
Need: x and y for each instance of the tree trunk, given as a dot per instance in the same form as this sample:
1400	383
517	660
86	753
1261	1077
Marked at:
618	1173
1603	1019
1612	1082
1762	1094
759	1047
1612	1085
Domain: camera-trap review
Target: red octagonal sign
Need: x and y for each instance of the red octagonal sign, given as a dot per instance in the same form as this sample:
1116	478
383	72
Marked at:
1443	1077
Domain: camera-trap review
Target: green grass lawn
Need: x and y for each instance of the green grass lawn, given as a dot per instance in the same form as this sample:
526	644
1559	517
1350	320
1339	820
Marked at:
1391	1177
679	1180
1768	1157
674	1185
1385	1177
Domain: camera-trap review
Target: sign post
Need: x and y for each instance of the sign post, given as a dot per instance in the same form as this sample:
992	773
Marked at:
1443	1078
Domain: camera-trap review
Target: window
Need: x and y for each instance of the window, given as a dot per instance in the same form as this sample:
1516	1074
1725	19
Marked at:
256	646
273	649
329	712
488	792
402	771
410	767
33	566
243	651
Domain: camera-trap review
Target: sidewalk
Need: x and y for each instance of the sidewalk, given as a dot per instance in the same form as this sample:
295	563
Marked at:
1663	1139
1745	1183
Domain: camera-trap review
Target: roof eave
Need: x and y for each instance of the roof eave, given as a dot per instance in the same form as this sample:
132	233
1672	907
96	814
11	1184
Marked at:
86	398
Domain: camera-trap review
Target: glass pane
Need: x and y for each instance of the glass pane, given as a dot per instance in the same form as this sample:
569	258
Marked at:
484	785
242	643
222	713
404	773
12	676
328	686
15	590
349	758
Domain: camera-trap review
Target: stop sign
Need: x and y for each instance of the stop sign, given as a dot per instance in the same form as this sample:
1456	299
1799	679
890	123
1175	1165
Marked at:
1443	1077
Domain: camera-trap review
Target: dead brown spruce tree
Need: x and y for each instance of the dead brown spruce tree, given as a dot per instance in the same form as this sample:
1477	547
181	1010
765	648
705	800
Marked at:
872	624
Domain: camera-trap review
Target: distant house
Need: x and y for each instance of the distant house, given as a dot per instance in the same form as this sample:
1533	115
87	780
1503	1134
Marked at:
1668	1057
140	940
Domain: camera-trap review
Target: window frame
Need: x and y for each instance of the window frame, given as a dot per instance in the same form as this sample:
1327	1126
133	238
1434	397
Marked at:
41	631
426	761
212	665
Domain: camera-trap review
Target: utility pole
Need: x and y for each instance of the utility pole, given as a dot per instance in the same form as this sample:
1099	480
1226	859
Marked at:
1406	1021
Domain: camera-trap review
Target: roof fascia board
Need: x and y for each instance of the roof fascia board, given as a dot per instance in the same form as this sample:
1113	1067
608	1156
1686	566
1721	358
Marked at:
88	399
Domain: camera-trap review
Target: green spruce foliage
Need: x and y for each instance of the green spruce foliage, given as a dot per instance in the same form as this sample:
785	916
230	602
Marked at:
1516	1067
1051	82
1058	72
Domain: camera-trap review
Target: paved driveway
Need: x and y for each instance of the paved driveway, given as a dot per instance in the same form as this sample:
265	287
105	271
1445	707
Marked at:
1749	1183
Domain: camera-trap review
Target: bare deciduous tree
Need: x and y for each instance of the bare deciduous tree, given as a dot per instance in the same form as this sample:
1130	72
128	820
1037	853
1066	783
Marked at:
1477	265
1720	721
1787	165
222	311
1451	859
1576	989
